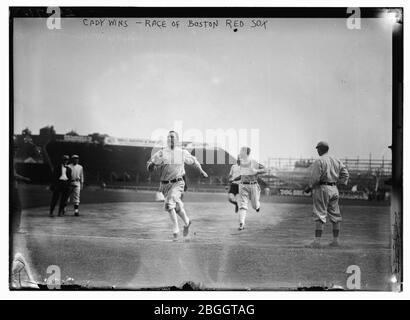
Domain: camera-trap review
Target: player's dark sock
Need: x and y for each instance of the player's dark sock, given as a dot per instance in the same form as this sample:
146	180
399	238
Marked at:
336	233
318	234
235	204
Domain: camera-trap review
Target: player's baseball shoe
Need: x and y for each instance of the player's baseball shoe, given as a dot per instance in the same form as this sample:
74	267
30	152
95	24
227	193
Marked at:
257	210
241	227
315	244
175	236
334	243
186	229
76	212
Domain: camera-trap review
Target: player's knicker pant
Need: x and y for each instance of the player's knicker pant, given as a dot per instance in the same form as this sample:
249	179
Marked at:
326	203
172	193
248	192
75	192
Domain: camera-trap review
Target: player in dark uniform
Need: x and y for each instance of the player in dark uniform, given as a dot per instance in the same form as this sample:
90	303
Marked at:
60	186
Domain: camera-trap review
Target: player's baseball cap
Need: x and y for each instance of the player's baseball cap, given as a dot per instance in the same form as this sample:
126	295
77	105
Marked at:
74	156
322	144
65	157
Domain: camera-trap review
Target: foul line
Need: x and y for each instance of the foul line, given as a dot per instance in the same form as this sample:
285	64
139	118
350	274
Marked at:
96	237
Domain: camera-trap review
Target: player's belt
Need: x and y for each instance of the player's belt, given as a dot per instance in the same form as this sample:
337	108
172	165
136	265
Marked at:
328	183
171	181
249	182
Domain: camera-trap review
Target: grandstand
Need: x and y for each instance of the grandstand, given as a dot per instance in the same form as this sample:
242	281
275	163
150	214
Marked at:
369	178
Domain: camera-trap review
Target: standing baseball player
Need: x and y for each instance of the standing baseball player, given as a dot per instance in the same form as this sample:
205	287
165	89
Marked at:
249	188
77	182
234	174
326	172
171	161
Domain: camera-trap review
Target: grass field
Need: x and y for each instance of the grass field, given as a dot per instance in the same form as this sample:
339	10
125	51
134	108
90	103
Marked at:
123	239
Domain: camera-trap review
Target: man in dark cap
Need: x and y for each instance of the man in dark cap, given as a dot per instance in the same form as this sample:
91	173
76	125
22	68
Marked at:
326	172
60	186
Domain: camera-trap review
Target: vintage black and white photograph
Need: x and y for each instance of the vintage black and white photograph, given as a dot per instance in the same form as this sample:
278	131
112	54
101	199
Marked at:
206	148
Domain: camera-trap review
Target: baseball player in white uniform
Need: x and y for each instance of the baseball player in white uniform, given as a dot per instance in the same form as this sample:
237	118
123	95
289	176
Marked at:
249	188
326	172
171	161
77	182
234	174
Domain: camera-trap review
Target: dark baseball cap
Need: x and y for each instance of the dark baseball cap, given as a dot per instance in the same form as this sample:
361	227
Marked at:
322	144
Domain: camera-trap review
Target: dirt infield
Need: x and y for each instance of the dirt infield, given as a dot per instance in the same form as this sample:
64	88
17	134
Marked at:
128	245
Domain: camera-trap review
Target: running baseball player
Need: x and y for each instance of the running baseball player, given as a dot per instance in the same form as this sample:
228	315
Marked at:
326	172
234	184
77	182
249	188
171	161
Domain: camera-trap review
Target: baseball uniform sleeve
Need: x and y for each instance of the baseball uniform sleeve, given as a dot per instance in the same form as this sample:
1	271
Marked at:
82	175
343	174
261	168
315	173
231	172
156	159
190	159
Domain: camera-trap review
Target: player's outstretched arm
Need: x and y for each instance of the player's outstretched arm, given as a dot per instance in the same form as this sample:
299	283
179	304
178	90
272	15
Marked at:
261	169
201	171
191	160
155	160
150	166
237	178
230	175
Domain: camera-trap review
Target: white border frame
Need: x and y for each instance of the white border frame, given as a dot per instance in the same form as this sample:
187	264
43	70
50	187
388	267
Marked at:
155	295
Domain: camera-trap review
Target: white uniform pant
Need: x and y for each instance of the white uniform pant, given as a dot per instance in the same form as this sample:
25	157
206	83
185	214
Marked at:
172	193
75	192
326	203
248	192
